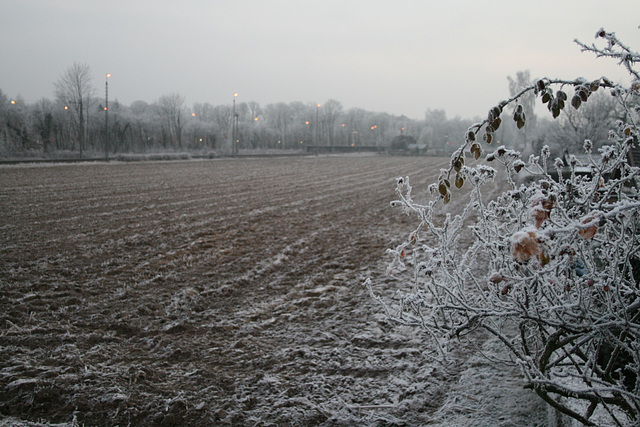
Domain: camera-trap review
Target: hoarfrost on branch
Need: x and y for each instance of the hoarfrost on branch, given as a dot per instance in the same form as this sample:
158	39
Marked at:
550	266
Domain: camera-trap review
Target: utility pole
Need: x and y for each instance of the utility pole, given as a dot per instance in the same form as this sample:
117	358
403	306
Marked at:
106	117
317	129
234	127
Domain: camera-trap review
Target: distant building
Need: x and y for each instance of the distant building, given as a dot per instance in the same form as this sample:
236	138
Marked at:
402	142
405	144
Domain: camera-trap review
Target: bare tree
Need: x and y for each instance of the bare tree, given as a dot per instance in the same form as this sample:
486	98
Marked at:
254	109
205	125
171	108
74	89
593	122
436	132
13	123
332	109
278	116
527	103
222	117
44	123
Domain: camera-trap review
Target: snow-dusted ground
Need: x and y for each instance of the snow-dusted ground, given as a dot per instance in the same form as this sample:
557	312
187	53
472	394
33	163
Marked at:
222	292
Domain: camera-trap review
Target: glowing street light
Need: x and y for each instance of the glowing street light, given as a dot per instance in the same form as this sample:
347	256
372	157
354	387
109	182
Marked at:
13	102
346	134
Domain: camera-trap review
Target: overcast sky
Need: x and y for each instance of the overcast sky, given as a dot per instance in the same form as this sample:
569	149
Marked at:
395	56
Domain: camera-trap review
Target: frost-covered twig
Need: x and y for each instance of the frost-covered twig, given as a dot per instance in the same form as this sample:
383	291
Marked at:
551	266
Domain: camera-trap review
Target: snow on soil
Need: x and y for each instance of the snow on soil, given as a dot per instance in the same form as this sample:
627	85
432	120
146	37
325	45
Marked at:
221	292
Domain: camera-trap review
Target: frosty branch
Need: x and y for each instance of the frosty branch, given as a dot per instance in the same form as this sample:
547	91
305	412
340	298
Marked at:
550	266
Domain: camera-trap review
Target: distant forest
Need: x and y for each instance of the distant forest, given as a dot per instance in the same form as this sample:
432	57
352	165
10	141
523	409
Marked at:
80	124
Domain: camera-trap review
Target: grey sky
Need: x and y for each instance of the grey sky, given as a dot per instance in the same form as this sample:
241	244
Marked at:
396	56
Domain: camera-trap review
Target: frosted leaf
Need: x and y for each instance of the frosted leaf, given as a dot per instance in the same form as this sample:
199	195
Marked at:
496	277
525	245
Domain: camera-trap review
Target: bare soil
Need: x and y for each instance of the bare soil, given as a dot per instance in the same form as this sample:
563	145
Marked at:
224	292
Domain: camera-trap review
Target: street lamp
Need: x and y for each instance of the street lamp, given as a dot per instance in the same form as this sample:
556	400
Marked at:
307	135
376	136
316	141
195	130
234	127
106	116
345	134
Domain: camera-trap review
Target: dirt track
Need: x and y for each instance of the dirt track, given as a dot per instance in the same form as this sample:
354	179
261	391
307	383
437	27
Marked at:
207	292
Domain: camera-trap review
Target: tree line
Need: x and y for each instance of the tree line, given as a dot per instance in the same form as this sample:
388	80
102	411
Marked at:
79	122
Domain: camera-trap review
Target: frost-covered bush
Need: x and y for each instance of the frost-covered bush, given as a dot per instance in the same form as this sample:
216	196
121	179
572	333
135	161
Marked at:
127	157
550	266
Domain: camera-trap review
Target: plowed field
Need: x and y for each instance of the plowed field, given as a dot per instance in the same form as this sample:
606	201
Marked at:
206	292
